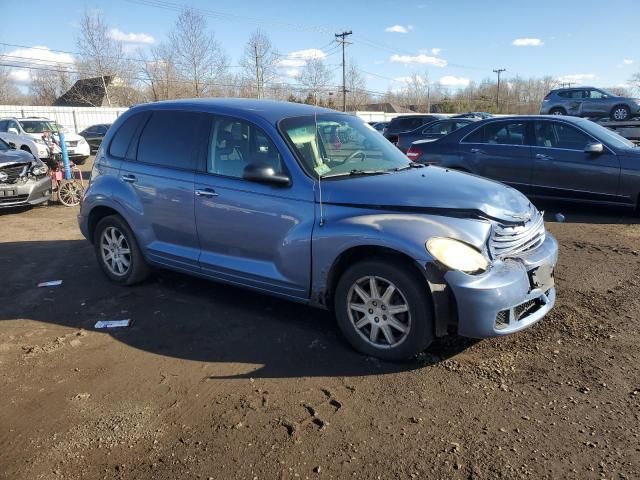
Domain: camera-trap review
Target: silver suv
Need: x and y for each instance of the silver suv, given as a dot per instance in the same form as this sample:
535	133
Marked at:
589	102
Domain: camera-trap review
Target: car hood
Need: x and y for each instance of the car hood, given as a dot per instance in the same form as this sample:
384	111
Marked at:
15	157
430	190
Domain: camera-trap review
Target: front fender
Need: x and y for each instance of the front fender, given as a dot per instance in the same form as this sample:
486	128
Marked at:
345	228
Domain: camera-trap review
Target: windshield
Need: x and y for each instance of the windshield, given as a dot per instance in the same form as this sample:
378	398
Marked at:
37	126
608	136
331	145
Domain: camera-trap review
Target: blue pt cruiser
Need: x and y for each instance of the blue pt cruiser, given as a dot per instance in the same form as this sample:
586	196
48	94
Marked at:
315	206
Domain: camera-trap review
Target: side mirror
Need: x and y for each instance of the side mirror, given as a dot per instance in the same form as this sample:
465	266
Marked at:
594	148
13	130
12	146
263	173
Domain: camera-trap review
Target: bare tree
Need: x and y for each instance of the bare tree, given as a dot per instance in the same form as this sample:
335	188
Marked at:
101	55
315	77
635	82
47	86
356	87
198	56
259	62
160	73
9	92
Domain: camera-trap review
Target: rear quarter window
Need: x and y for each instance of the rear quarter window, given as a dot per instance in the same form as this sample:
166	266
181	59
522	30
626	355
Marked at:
122	139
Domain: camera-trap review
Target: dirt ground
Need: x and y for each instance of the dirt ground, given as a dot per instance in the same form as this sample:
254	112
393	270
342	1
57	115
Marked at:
213	382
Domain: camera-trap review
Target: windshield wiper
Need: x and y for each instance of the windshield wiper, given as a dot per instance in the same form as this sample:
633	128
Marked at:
356	171
408	166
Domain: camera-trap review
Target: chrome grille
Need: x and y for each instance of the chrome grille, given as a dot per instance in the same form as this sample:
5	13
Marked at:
513	240
13	173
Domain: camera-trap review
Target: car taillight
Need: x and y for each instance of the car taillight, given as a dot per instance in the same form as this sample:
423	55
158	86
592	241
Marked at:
414	153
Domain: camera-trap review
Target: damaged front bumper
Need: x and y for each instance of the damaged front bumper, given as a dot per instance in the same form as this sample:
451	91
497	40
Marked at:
32	191
511	296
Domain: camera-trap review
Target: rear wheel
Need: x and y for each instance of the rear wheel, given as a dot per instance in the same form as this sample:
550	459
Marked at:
620	112
558	111
384	309
118	253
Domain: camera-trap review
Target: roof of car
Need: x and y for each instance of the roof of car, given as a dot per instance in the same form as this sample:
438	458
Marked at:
270	110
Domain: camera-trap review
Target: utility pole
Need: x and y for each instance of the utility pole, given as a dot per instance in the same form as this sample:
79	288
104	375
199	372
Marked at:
498	71
255	46
342	36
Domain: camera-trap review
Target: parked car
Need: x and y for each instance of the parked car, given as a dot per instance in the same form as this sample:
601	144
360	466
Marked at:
380	126
562	158
10	132
258	194
34	127
94	135
23	178
589	102
407	123
433	130
474	115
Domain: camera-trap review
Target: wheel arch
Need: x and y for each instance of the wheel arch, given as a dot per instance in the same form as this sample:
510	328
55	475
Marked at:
443	304
96	214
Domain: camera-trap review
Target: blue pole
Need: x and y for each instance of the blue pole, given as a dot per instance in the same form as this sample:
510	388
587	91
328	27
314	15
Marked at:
65	156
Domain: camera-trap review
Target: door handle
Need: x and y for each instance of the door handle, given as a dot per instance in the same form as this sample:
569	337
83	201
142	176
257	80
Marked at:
207	192
542	156
128	178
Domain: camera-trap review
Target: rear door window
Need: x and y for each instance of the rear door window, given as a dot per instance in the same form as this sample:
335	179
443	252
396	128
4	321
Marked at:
500	133
173	139
407	123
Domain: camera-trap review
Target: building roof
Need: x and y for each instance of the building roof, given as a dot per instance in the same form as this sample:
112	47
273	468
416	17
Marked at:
86	92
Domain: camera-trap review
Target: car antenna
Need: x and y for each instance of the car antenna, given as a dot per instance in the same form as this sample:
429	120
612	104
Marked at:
315	136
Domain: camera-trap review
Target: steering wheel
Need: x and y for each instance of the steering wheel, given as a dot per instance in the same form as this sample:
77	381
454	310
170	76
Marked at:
354	155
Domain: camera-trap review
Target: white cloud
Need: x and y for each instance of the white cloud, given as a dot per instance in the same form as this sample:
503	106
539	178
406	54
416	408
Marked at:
576	77
450	81
292	72
527	42
421	59
627	61
299	57
37	56
124	37
399	29
436	51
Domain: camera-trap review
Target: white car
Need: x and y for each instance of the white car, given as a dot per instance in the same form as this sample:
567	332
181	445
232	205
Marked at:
10	133
77	147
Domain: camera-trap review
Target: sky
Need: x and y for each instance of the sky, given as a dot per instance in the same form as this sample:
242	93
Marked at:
456	41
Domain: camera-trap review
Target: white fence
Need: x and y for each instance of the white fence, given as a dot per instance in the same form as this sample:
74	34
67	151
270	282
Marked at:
75	119
376	116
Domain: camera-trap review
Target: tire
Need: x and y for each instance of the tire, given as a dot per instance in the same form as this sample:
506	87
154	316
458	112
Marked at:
113	227
620	113
410	290
557	111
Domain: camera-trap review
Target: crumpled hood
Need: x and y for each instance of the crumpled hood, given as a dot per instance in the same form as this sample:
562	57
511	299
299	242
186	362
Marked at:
15	157
432	190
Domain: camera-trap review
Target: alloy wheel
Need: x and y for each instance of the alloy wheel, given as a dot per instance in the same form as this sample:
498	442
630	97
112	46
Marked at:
379	311
115	251
620	114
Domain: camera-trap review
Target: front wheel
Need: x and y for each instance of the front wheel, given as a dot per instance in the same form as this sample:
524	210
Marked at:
384	310
118	253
